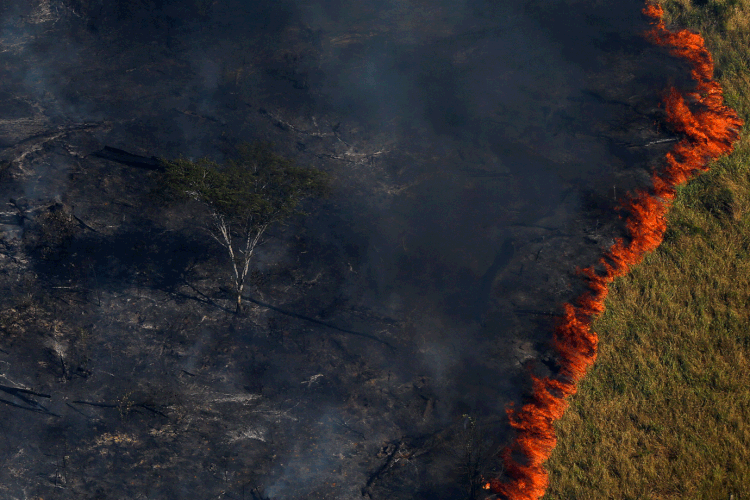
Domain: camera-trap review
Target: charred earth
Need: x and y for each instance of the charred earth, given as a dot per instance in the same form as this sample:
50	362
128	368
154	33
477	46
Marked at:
478	151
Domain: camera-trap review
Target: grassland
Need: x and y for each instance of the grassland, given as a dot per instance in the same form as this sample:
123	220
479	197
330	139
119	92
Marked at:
665	412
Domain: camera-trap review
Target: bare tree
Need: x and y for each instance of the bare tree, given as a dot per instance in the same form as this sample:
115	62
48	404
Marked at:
244	197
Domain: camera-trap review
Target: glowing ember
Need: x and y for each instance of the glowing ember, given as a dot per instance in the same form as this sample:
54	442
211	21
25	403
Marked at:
709	130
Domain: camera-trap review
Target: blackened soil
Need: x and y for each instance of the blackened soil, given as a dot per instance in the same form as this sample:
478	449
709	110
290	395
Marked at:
478	151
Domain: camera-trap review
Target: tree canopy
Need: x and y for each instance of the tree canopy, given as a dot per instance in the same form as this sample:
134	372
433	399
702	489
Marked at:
255	189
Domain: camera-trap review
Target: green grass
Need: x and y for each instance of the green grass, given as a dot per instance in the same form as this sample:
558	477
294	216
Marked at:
665	412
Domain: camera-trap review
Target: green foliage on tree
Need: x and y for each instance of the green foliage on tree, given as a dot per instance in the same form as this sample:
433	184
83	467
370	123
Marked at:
245	196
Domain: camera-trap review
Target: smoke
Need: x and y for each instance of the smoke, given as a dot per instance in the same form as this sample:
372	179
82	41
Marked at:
709	129
311	465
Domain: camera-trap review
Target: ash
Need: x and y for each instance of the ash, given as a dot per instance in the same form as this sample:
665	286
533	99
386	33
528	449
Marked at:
478	151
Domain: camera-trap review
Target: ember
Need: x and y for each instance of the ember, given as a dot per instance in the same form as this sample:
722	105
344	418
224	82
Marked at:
709	129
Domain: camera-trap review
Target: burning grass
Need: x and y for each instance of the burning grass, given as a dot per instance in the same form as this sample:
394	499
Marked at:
665	412
709	130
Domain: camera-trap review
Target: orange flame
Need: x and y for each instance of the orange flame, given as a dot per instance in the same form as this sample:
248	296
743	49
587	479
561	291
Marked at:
709	130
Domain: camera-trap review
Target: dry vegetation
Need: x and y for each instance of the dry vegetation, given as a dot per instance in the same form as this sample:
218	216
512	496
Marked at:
665	412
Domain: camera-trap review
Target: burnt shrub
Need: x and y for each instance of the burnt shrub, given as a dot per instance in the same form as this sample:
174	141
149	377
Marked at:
51	232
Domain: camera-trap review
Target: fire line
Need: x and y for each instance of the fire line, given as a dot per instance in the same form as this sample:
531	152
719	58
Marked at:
709	130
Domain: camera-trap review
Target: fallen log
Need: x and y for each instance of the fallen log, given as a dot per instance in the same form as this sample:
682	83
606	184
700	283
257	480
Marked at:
121	156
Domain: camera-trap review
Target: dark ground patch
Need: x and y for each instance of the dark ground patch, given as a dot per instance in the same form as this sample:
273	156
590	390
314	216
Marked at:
477	150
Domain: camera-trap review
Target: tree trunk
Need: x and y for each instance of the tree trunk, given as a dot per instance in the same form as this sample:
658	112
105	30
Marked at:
239	303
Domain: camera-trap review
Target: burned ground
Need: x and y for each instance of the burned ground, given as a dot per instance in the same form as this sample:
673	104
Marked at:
477	151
